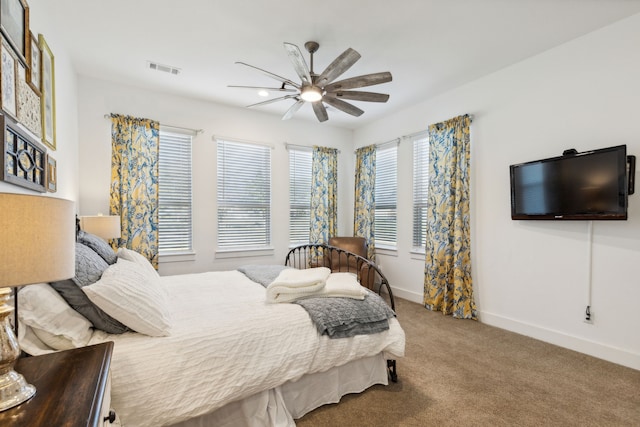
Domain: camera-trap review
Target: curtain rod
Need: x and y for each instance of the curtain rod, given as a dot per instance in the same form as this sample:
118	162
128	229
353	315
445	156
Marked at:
380	144
305	147
195	131
425	131
414	134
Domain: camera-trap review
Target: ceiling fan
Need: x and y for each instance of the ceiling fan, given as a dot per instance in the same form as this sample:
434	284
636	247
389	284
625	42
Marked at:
320	89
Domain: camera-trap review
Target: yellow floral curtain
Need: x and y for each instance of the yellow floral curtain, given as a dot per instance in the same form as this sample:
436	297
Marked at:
364	199
324	194
447	283
134	183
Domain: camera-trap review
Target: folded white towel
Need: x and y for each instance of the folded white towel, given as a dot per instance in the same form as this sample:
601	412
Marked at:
343	285
292	283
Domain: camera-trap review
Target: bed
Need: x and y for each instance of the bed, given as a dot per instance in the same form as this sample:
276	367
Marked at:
209	348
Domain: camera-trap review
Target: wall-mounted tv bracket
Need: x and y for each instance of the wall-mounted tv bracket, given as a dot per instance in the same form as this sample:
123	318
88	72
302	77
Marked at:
631	161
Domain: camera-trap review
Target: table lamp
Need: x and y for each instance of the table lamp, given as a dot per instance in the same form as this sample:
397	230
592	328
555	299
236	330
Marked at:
37	245
104	226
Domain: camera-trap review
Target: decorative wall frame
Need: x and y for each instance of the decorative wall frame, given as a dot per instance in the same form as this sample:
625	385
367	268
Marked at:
34	59
24	160
8	81
14	25
29	114
52	175
48	98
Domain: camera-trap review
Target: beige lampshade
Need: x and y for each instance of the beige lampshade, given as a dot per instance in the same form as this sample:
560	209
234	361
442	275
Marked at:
105	226
37	239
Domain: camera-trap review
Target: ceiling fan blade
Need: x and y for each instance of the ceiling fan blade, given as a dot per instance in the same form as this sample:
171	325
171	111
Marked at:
360	81
343	106
269	101
298	62
273	76
270	89
292	110
341	64
321	112
359	96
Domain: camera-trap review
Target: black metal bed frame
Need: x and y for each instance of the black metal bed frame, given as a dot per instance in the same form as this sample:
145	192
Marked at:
368	273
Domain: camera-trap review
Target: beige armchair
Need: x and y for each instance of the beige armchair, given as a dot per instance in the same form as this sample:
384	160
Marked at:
358	246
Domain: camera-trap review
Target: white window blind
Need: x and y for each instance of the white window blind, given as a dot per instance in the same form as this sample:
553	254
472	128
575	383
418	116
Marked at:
299	195
420	191
244	196
174	193
386	195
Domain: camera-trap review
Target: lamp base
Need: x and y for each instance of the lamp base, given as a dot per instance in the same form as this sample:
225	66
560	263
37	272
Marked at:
14	390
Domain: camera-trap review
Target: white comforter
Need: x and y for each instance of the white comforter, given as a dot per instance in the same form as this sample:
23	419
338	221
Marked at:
226	343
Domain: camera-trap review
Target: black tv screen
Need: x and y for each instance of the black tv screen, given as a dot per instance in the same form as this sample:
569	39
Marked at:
589	185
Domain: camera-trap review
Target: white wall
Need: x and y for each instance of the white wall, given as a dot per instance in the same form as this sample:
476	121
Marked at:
531	277
97	98
66	154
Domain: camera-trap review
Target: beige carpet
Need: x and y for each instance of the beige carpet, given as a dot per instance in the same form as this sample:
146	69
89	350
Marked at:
463	373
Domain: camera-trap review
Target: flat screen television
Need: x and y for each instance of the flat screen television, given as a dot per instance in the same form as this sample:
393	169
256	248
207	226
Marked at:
592	185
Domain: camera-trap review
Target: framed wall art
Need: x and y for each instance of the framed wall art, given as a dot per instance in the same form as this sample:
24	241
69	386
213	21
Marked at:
24	160
28	104
52	175
8	81
33	63
48	97
14	25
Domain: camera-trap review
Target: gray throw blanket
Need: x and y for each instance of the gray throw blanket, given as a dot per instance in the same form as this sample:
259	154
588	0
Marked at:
335	317
347	317
262	273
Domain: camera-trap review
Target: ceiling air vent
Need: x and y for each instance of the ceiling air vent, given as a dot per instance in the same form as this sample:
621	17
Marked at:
164	68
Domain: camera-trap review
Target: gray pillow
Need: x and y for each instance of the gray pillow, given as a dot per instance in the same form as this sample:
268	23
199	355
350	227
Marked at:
89	269
100	247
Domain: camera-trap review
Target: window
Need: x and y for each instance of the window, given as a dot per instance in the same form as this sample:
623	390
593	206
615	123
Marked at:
244	196
174	193
300	160
420	191
386	195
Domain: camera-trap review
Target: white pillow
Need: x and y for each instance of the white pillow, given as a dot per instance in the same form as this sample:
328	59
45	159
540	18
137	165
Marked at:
42	308
133	256
58	342
134	296
30	343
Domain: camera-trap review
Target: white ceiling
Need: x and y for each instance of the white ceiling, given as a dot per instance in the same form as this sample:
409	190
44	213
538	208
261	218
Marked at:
429	46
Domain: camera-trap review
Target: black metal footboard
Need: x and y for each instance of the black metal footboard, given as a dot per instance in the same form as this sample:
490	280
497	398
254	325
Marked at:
339	260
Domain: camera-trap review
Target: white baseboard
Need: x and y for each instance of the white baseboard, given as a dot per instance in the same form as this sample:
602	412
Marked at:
408	295
561	339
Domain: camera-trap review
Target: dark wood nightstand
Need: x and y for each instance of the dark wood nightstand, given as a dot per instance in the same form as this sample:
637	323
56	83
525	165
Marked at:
70	389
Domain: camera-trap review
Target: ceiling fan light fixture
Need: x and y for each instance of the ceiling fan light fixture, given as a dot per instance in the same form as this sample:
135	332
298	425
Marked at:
311	94
263	92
